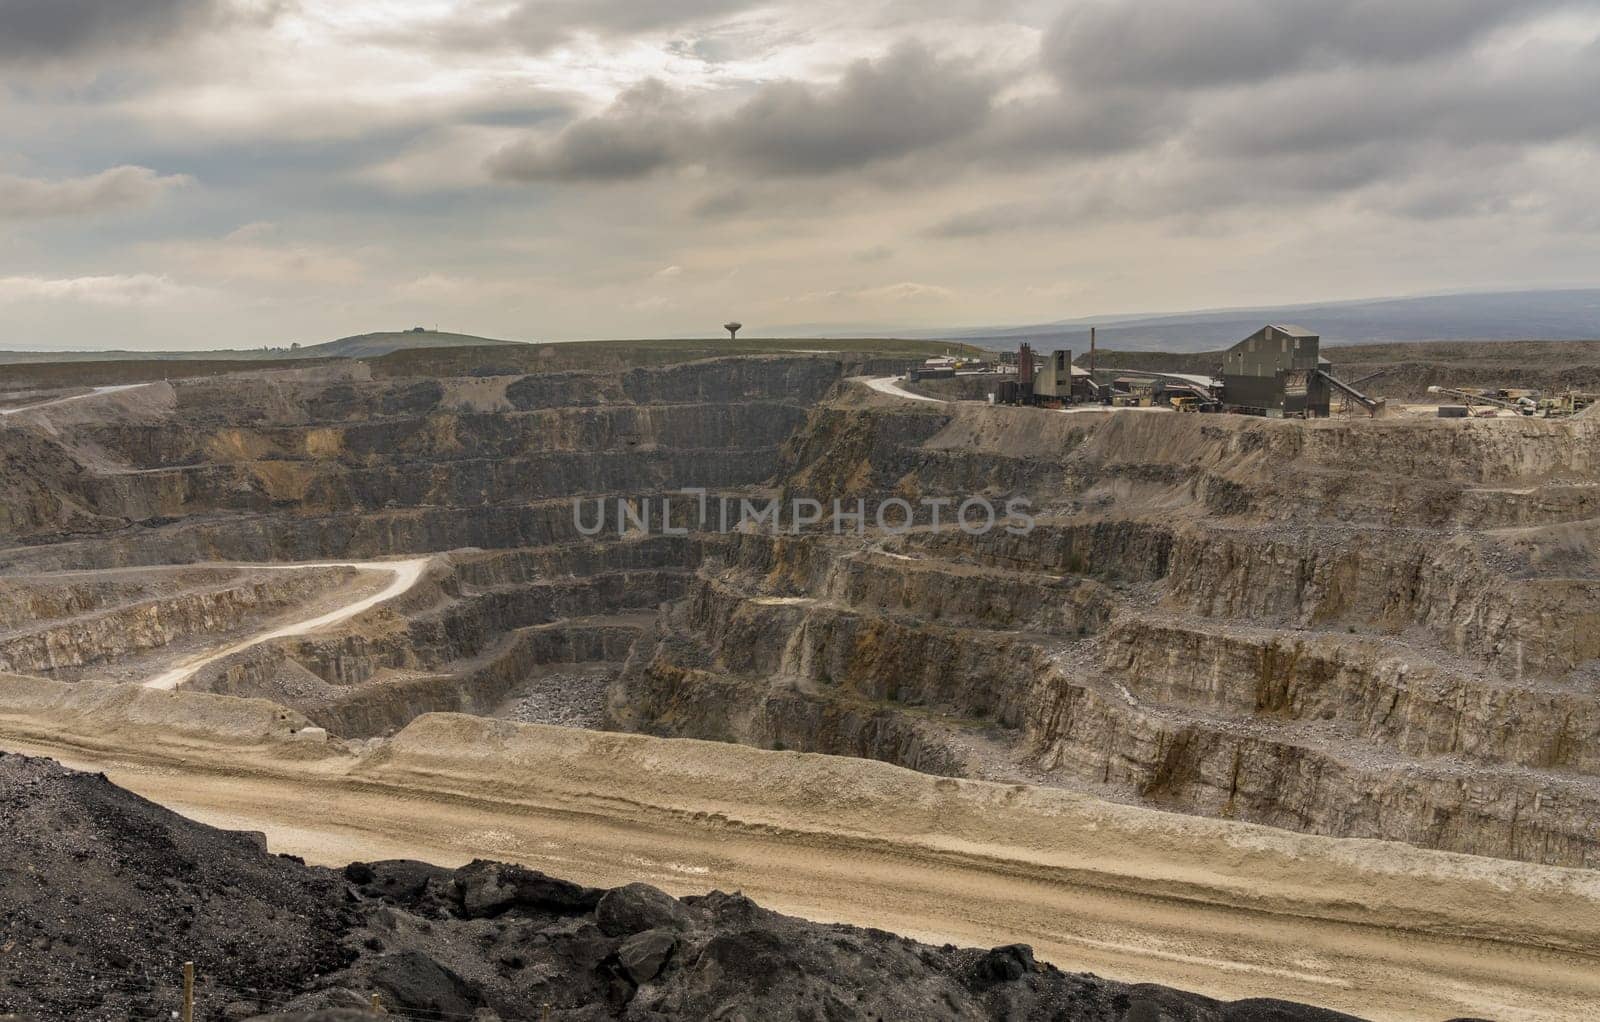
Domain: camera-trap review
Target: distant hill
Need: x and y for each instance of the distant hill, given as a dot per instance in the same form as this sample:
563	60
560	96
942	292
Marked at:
373	345
1505	316
127	355
382	343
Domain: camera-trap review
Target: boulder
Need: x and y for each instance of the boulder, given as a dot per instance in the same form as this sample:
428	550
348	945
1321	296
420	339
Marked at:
486	889
644	954
413	982
637	907
359	873
419	886
1003	964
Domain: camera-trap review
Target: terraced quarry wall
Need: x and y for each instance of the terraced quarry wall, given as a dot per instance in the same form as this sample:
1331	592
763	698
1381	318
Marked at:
1356	628
1299	624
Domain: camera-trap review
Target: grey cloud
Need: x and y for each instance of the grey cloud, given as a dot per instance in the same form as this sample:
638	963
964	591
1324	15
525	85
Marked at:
906	102
536	25
1184	44
1195	189
1140	188
1002	218
646	129
1417	124
114	189
625	16
1543	97
48	30
1067	124
1452	197
707	49
721	205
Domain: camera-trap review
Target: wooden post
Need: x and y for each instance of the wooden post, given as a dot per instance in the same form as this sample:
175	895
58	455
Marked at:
188	992
377	1005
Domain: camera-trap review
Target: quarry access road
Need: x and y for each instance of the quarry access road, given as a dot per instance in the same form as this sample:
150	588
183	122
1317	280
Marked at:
1383	931
890	385
406	575
95	392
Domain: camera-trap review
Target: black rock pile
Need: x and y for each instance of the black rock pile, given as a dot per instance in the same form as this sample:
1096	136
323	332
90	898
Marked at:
104	895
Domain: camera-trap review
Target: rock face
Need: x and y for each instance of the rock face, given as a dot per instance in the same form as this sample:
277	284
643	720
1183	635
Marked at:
1308	625
1385	629
105	895
74	624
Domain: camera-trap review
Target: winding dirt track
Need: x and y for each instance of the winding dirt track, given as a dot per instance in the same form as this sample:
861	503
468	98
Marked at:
406	574
95	392
890	385
1229	910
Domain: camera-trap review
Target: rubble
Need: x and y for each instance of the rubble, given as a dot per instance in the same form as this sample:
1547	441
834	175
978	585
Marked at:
105	896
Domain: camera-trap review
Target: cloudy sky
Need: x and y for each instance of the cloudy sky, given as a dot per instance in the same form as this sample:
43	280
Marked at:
224	173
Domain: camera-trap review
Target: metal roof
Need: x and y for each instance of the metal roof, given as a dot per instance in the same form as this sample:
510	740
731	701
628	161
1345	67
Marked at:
1196	379
1291	330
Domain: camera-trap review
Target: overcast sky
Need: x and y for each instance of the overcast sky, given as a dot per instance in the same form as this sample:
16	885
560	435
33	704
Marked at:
224	173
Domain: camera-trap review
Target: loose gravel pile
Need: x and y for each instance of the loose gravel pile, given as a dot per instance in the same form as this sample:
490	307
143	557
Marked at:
565	698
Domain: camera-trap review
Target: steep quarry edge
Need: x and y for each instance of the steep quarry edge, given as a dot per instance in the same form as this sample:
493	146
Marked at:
814	799
307	944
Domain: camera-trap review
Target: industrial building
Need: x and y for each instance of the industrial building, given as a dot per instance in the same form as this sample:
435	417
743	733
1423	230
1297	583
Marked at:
1277	371
1056	382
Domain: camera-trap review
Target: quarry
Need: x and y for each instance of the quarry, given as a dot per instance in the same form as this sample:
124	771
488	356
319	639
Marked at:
1198	683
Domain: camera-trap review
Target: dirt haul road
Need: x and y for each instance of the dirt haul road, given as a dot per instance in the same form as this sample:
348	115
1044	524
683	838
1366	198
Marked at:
406	574
891	385
1380	930
94	392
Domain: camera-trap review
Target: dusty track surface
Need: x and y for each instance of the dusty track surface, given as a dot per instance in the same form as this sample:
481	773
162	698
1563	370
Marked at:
96	392
1376	929
890	385
406	574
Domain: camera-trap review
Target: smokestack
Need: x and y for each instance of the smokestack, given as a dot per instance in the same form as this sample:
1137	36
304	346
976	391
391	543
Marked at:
1091	353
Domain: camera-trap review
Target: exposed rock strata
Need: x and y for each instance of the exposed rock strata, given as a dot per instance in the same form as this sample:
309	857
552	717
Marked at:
1367	628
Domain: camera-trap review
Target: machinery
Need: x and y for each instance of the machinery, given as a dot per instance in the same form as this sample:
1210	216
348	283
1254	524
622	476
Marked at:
1570	403
1372	405
1195	403
1520	405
